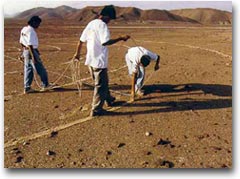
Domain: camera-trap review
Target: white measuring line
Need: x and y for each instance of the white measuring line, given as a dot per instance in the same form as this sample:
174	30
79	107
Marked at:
18	140
190	46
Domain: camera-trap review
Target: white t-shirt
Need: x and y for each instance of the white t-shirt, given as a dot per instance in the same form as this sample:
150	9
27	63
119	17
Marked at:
95	34
28	37
134	55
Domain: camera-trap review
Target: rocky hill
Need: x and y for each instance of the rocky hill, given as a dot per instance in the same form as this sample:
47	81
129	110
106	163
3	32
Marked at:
131	14
206	15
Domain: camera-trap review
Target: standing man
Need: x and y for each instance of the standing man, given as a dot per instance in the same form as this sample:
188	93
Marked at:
32	61
97	36
137	58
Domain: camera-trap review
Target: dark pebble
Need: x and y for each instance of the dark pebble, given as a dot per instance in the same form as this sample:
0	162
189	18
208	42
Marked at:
19	159
224	166
109	153
121	145
149	153
217	148
163	142
56	106
26	143
54	133
50	153
80	150
167	163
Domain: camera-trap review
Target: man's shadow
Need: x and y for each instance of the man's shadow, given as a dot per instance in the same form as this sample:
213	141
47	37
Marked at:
186	104
215	89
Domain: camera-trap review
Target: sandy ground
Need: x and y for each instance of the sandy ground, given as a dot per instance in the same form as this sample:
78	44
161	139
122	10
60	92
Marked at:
183	121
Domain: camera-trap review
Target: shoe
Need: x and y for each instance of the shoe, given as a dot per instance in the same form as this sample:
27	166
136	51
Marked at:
140	93
98	113
110	101
48	87
28	90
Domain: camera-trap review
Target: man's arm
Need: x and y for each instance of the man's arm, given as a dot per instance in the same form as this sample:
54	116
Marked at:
113	41
78	50
134	76
156	67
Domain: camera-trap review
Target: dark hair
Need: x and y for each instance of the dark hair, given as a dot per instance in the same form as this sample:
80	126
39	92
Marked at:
34	20
109	11
145	60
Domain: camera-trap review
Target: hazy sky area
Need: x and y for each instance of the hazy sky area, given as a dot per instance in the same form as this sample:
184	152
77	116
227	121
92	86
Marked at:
12	7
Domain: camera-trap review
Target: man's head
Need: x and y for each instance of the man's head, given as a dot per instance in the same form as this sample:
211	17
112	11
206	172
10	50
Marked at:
35	21
108	13
145	60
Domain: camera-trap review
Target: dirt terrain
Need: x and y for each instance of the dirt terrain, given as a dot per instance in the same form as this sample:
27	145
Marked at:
183	121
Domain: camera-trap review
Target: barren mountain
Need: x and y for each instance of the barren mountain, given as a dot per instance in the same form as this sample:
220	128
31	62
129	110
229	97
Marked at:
132	14
206	15
124	14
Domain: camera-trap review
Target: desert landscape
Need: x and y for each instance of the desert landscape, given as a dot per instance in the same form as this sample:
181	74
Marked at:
183	121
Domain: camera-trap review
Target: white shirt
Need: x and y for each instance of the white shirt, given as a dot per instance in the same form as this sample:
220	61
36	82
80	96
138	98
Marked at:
28	37
95	34
134	55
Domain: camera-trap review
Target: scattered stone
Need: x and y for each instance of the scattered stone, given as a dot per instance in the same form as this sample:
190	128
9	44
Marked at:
172	146
26	143
224	166
121	145
73	163
15	148
149	153
54	133
148	133
131	121
167	163
18	152
19	159
109	153
56	106
163	142
80	150
60	165
51	153
144	163
217	148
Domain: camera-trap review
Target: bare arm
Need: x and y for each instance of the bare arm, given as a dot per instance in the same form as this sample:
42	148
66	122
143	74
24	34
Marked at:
156	67
78	50
113	41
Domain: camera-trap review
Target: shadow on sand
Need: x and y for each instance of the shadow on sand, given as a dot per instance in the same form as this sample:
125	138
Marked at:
184	104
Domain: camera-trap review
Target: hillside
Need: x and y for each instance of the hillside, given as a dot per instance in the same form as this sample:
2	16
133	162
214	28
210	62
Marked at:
124	14
132	14
206	15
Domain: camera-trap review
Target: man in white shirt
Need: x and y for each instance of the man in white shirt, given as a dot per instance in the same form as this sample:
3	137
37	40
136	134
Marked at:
32	61
137	58
97	36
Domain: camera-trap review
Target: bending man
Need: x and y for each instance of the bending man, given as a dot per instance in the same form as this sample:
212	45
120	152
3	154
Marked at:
137	58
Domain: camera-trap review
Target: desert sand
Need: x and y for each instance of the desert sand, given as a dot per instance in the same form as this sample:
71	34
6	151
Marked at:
183	121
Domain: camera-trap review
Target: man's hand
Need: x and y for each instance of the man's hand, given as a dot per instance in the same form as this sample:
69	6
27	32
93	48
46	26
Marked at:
76	56
156	67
